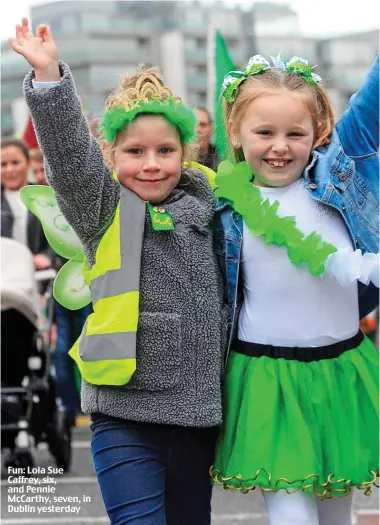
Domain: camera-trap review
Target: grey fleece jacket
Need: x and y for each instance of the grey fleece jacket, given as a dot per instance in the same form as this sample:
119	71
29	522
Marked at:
182	328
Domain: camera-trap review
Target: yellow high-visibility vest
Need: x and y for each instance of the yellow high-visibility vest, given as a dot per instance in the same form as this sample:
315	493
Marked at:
106	350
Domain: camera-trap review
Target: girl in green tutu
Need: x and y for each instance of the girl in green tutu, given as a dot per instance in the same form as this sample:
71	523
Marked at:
300	244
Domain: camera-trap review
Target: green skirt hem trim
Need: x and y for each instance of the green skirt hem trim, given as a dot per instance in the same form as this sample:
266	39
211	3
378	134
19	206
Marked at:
310	483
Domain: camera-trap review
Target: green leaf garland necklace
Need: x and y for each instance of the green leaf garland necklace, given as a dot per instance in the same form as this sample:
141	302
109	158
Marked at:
234	183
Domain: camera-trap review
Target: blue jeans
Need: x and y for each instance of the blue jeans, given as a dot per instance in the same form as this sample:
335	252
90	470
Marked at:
69	326
152	474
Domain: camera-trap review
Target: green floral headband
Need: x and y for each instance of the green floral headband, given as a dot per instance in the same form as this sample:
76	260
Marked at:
150	96
115	119
258	64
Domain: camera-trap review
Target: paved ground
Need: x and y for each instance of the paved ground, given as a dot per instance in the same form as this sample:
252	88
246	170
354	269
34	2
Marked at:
228	508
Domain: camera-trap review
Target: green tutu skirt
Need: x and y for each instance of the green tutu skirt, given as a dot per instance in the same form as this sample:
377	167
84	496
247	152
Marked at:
292	425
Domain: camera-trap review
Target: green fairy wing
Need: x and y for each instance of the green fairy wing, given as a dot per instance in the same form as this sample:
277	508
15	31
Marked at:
41	201
70	288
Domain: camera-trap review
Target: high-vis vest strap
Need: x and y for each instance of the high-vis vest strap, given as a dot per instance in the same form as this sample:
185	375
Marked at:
106	351
210	174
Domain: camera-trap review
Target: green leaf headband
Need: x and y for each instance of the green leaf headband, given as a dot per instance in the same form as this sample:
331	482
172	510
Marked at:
150	96
258	64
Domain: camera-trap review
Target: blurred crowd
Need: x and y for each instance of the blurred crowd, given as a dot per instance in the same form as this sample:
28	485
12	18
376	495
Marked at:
20	166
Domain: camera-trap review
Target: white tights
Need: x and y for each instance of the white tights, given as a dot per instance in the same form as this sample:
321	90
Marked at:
306	509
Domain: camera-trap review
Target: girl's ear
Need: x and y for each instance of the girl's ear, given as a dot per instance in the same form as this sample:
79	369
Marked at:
232	135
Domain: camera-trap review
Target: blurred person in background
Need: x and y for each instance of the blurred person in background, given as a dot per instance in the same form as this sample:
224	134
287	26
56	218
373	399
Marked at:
93	124
14	171
69	323
37	166
207	153
42	253
16	221
69	326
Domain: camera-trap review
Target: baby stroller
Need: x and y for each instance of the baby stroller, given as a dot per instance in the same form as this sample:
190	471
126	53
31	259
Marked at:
30	412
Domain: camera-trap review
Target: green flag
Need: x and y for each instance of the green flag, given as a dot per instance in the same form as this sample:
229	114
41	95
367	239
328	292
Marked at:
223	64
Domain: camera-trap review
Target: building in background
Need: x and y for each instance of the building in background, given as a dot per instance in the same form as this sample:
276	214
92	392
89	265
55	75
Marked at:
276	29
102	39
344	62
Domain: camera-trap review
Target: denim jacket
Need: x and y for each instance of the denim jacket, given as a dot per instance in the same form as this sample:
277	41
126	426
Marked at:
344	175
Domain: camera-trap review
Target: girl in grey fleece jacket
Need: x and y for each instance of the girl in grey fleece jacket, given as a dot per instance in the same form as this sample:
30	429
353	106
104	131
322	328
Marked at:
158	430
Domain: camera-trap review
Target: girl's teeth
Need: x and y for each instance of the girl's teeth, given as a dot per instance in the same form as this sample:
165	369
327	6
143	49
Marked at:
277	164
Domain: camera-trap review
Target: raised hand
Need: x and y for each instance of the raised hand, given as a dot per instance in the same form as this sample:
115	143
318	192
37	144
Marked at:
40	51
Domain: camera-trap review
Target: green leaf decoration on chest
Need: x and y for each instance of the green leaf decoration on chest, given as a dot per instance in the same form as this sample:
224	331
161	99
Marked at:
234	183
160	219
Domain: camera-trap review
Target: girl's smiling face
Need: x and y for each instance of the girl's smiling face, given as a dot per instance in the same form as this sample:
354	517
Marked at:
276	134
148	157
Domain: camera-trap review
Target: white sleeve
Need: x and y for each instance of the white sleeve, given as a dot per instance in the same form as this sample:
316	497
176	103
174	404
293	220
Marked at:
44	85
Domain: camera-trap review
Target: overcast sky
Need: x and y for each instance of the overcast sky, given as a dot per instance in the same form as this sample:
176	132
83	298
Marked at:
321	18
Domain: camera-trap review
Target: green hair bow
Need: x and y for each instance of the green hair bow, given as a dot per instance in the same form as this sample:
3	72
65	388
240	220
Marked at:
258	64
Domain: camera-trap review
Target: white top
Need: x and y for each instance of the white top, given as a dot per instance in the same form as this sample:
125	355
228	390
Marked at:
20	216
283	304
